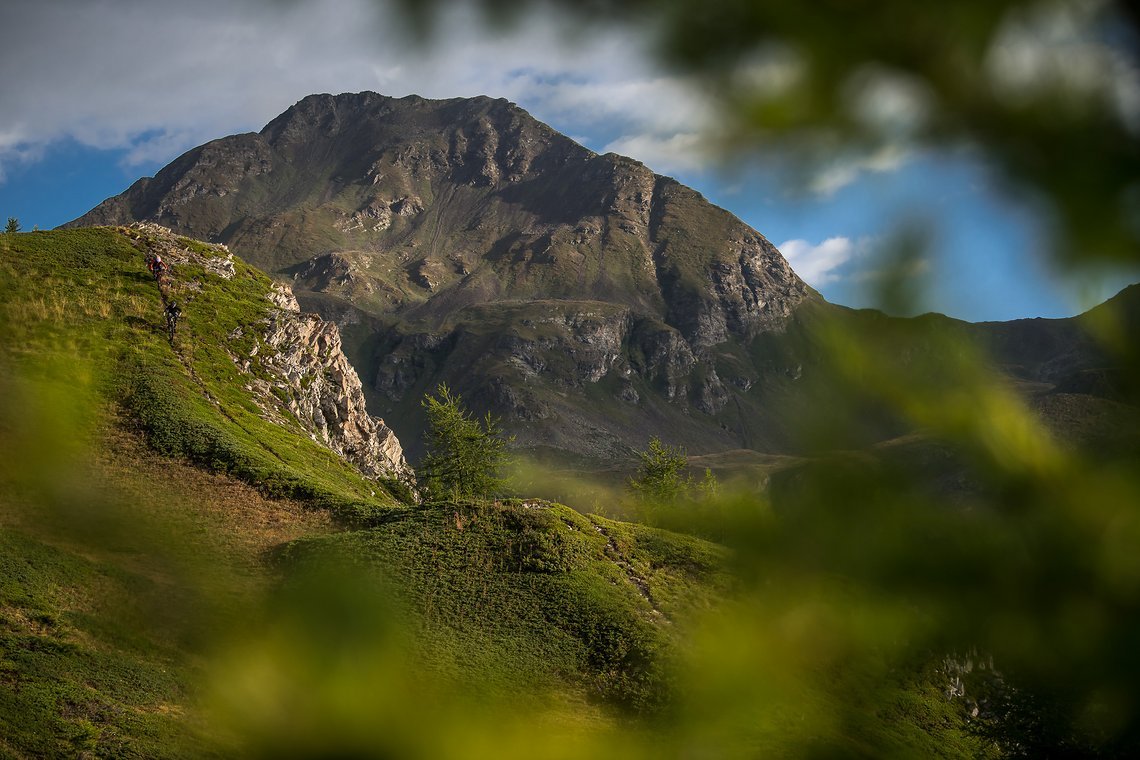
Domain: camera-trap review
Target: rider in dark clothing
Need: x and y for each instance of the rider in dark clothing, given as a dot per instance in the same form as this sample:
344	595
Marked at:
172	315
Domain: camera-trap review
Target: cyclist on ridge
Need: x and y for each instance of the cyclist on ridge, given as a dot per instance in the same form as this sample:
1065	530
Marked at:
156	265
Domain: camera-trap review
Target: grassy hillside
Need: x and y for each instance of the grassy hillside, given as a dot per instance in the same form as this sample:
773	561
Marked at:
180	577
113	593
527	594
81	309
120	562
146	509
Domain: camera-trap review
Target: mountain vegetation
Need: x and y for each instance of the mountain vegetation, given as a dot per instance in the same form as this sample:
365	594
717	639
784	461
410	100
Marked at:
157	517
465	456
191	571
661	476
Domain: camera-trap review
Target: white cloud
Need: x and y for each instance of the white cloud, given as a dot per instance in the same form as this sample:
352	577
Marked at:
157	78
160	147
683	151
844	172
817	264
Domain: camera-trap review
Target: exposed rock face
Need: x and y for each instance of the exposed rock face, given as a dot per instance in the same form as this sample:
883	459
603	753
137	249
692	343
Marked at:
312	380
214	258
282	297
302	375
537	277
589	343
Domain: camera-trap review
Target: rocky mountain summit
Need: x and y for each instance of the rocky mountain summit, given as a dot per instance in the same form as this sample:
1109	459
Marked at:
437	205
588	300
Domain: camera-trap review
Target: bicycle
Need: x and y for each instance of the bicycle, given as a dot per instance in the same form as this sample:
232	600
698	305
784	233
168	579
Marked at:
172	314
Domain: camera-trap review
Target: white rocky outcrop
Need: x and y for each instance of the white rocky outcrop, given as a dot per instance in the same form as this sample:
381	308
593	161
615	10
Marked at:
310	379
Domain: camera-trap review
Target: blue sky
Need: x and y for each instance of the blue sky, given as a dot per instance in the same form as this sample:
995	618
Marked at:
112	91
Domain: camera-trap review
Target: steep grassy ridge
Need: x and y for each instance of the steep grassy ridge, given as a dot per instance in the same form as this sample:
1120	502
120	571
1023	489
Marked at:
119	564
82	298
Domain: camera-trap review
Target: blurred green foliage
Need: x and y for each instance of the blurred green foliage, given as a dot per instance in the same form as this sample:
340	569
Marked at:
987	530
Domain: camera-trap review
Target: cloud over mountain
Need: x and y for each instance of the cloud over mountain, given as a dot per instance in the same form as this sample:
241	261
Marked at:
819	264
157	78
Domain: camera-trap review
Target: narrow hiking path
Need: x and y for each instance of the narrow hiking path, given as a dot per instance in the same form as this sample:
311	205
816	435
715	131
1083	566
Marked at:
615	555
167	284
196	378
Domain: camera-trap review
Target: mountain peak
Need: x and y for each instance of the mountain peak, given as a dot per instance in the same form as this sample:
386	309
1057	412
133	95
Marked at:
330	112
502	257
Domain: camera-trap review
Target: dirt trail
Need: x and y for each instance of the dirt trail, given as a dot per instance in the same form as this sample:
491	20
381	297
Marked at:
166	286
614	554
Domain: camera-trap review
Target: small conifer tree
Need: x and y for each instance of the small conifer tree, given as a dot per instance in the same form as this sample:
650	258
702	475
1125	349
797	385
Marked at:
465	455
13	225
709	487
661	476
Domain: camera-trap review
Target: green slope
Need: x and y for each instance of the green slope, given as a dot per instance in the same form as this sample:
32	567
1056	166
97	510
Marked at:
128	575
82	299
118	565
521	594
180	577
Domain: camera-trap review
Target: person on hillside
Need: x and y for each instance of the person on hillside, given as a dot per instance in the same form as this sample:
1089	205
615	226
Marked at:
173	312
156	265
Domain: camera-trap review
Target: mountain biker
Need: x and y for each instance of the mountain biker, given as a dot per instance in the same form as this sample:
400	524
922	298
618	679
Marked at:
172	314
156	265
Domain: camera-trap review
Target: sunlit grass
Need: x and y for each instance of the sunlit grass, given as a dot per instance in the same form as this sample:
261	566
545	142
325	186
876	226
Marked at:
185	613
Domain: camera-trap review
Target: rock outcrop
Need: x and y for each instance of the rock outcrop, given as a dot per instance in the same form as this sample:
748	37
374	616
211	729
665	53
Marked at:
297	370
305	374
215	258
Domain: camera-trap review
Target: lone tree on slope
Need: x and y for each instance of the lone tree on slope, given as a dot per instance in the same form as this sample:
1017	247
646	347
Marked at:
465	455
661	477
